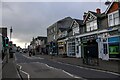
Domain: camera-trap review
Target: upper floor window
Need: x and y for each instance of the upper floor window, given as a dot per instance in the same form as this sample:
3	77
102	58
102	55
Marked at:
76	30
116	18
110	20
54	29
75	25
90	26
113	18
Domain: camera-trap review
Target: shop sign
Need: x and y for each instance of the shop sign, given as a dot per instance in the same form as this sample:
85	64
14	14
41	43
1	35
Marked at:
91	37
113	39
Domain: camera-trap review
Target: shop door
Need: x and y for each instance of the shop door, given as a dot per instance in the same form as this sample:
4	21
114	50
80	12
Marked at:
91	54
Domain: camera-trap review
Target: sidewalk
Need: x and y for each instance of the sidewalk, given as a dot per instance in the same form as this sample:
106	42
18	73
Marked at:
112	66
9	70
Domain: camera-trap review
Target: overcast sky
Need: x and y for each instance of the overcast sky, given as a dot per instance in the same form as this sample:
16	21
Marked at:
31	19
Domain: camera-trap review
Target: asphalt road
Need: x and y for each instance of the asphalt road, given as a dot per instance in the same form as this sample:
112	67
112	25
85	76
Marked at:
36	67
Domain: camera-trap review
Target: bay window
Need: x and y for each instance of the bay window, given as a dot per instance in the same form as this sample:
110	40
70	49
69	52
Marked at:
116	18
113	18
110	20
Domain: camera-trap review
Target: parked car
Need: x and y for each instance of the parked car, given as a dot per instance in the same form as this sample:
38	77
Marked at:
20	51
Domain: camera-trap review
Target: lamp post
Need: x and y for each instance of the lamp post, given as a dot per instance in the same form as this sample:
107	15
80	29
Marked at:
11	30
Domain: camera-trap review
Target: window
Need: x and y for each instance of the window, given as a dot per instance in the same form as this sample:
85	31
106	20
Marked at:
51	31
110	20
116	18
95	25
92	25
113	18
88	26
54	29
53	36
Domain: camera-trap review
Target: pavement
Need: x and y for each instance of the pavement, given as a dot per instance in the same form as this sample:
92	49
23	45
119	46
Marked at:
9	70
111	65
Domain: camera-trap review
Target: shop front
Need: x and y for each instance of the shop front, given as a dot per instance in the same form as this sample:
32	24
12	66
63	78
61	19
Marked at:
71	48
114	46
53	48
62	48
90	49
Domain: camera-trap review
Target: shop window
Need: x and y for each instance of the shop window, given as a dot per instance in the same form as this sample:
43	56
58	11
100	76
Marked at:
114	50
77	49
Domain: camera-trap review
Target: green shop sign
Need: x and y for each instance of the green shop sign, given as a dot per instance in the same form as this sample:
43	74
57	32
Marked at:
114	49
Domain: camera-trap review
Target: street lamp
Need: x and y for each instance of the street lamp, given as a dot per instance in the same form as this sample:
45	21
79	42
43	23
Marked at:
11	30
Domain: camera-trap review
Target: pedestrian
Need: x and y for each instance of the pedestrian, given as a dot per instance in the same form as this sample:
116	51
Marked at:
30	53
30	50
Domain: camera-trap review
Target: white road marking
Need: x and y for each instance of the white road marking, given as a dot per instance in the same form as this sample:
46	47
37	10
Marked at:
64	71
24	72
89	68
18	73
73	75
19	66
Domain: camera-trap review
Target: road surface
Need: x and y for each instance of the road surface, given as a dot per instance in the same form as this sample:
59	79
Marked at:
36	67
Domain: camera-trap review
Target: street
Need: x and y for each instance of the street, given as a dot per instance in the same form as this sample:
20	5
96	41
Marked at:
37	67
60	40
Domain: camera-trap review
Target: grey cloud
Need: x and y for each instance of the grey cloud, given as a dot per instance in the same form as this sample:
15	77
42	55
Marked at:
30	19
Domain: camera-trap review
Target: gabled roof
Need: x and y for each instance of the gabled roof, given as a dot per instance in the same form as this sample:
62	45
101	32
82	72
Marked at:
80	22
64	23
90	12
108	7
97	15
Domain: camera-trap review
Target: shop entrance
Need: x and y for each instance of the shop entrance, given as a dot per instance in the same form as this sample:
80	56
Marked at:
91	53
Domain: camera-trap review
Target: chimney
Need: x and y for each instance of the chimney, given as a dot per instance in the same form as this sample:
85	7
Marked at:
85	14
98	11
